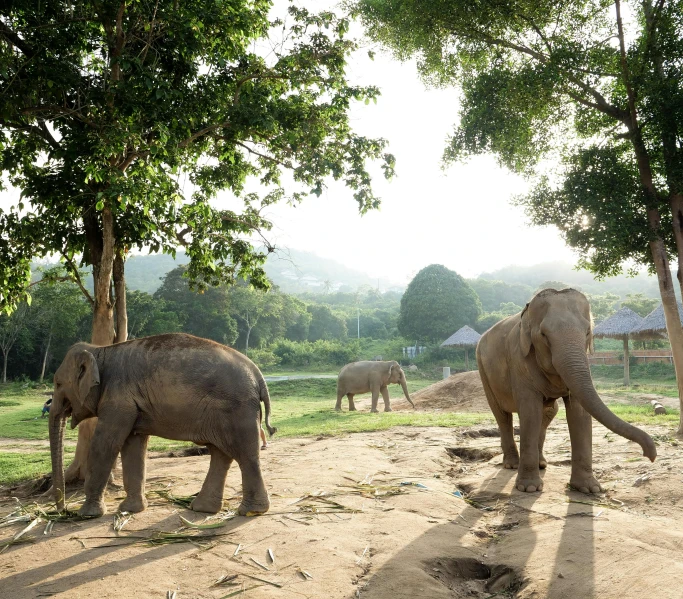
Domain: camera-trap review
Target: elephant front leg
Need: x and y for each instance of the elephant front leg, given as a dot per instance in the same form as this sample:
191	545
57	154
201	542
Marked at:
550	408
210	498
581	435
385	396
375	399
134	464
530	424
106	444
254	495
352	406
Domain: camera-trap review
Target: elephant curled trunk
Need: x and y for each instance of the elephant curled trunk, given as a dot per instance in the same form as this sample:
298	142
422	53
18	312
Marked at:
405	392
57	426
572	365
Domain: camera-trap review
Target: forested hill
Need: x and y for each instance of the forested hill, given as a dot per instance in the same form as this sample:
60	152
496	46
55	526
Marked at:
538	274
293	271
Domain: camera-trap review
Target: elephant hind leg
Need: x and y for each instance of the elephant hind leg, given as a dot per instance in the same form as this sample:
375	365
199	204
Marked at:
504	420
352	406
210	498
340	395
133	465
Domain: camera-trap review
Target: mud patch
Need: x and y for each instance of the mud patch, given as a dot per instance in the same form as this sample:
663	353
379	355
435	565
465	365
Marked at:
472	454
459	573
185	453
485	432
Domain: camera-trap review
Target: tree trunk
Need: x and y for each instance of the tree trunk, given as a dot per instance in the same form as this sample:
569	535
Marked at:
673	321
627	365
120	294
246	347
47	351
101	246
4	366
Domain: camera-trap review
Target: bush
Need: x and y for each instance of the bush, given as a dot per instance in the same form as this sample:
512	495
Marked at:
263	358
321	352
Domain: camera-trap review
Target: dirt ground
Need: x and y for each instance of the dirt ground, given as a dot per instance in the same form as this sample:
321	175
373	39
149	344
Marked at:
462	392
424	541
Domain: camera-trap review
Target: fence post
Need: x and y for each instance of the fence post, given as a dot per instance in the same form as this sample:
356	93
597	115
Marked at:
446	371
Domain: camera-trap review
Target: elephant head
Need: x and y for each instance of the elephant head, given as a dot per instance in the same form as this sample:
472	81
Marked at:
557	327
76	394
396	375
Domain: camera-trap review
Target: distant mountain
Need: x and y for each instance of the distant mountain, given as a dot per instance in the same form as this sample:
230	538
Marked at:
534	275
294	271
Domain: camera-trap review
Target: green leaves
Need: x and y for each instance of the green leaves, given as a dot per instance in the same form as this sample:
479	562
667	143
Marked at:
183	110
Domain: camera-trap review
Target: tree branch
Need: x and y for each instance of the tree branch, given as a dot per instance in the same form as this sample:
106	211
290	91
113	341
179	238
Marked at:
16	41
77	279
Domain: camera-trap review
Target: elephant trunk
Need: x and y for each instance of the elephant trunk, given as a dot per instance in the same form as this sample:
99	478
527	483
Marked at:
405	392
57	426
572	365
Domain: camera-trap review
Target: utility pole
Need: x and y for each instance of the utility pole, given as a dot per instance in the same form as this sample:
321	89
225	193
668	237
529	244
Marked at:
358	313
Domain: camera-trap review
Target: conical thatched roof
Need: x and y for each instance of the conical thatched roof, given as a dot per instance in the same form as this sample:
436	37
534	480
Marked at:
620	325
463	337
654	322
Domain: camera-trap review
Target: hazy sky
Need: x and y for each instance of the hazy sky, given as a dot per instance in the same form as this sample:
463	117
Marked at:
461	218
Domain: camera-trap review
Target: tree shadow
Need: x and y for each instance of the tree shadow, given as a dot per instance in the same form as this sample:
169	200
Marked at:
574	570
32	581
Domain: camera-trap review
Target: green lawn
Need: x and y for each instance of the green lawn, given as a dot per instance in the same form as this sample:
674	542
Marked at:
300	408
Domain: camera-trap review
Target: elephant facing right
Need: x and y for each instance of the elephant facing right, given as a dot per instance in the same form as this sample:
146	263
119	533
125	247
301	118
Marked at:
530	360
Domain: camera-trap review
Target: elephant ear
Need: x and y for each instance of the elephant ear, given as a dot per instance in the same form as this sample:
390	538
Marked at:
524	334
88	380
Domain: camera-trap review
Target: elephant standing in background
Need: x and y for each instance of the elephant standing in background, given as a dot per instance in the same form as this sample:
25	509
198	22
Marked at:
174	386
364	377
526	363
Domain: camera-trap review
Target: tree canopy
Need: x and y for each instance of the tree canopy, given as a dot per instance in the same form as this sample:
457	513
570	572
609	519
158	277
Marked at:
437	302
121	122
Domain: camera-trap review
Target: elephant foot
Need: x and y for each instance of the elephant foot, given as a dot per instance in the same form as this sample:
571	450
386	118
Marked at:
93	509
529	485
542	462
374	411
255	508
210	505
388	410
585	483
511	462
133	505
352	409
337	408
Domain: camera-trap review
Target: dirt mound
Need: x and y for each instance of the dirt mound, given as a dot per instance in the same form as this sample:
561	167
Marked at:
461	392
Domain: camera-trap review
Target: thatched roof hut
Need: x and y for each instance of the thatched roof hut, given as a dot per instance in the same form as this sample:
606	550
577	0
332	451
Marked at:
465	337
655	323
620	326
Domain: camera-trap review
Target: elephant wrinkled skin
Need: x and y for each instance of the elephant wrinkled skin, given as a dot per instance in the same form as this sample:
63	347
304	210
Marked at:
526	363
174	386
370	376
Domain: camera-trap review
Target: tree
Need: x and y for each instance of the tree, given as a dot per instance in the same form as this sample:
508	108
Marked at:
249	306
437	302
567	84
108	105
640	304
494	293
204	314
603	306
149	315
325	324
59	309
10	327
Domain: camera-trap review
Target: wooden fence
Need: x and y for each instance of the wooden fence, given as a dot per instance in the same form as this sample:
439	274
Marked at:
640	356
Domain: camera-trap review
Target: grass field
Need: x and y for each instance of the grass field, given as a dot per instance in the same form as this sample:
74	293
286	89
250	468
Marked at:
300	408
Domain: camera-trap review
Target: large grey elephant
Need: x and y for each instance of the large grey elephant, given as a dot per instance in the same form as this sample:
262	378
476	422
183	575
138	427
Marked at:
365	377
174	386
526	363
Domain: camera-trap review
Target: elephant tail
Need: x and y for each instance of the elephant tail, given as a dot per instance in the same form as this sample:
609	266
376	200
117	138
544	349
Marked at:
265	398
